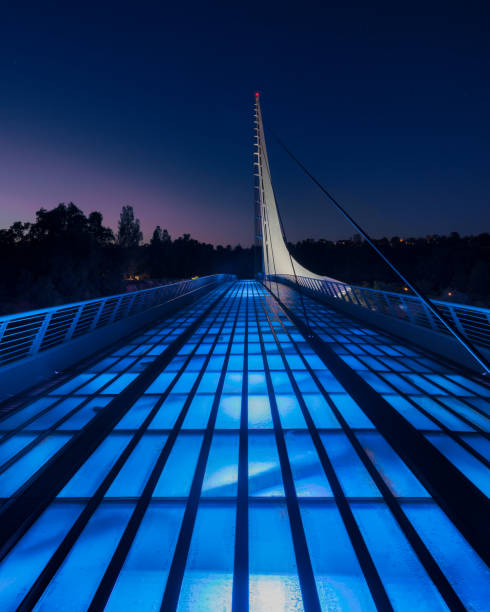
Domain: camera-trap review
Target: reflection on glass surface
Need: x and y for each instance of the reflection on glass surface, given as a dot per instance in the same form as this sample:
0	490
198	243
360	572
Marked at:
340	582
406	582
467	573
83	568
221	476
20	568
264	471
308	475
141	582
208	577
273	582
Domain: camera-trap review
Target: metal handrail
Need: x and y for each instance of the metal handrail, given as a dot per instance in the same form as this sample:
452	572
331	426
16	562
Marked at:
472	321
28	333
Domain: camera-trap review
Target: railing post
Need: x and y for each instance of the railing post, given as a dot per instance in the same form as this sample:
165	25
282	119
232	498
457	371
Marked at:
94	308
38	338
3	327
114	312
96	318
73	324
456	320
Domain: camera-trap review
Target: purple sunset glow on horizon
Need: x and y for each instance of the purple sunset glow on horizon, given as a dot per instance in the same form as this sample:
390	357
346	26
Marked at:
32	179
146	113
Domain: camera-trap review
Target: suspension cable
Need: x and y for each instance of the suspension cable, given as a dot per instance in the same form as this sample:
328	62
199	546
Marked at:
463	340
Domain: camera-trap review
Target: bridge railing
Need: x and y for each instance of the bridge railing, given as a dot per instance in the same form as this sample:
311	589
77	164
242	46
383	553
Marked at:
28	333
471	321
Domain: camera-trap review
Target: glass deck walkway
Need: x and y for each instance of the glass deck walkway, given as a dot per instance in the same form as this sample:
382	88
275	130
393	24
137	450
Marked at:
216	462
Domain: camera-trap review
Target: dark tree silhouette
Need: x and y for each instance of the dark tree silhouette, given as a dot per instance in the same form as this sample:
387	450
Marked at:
65	256
129	234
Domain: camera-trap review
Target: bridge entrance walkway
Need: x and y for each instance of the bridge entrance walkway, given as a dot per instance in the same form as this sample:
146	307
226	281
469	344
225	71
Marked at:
219	458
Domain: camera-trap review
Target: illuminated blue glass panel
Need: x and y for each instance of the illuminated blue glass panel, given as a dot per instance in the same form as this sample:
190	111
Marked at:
135	472
161	383
221	476
85	482
257	384
425	385
259	412
308	474
176	478
406	582
329	382
198	414
89	558
264	471
305	382
21	567
72	384
141	582
27	465
470	384
57	412
168	412
340	582
466	571
185	382
411	413
351	412
295	362
320	411
215	364
273	575
481	403
209	382
86	413
121	365
103	364
471	467
235	363
290	412
119	384
354	478
400	480
255	362
445	417
10	447
275	362
95	384
26	413
480	420
400	383
232	383
376	382
229	410
315	362
479	443
208	577
137	413
281	383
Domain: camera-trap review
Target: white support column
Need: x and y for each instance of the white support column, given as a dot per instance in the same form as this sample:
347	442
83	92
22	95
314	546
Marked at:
276	256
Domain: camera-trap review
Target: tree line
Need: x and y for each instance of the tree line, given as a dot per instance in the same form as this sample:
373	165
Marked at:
451	268
66	256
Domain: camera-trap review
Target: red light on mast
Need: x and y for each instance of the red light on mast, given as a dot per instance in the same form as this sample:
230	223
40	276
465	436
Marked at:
256	94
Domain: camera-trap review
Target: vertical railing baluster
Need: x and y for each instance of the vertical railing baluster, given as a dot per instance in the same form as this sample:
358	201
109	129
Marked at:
96	318
93	308
3	327
38	338
73	324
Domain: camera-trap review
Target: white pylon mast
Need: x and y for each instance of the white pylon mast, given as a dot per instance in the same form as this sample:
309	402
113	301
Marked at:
276	256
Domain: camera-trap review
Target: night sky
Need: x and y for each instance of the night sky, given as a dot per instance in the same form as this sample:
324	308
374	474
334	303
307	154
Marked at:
133	104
